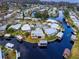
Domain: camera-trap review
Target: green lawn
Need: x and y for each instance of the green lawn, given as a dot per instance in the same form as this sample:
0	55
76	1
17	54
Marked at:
75	50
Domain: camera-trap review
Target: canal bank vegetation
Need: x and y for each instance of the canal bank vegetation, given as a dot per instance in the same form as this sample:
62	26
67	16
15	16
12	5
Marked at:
8	53
75	49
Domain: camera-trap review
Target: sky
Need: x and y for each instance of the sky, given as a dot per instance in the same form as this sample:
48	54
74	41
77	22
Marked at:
72	1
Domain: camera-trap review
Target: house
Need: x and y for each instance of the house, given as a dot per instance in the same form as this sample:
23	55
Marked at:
66	53
27	18
36	19
3	27
16	26
37	33
55	26
0	54
50	31
42	43
73	38
19	37
60	35
26	27
19	16
7	35
9	45
51	20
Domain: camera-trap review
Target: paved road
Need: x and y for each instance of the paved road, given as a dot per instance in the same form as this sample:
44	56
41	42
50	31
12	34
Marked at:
53	51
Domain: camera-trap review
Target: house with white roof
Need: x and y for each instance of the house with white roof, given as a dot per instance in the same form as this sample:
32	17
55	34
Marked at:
54	25
3	27
50	31
37	33
26	27
74	19
36	19
42	43
51	20
15	27
60	35
73	38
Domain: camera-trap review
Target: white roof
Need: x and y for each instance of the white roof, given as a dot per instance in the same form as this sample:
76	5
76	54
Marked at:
50	31
36	19
7	16
60	34
10	10
51	20
74	19
7	35
27	18
54	25
3	28
19	37
66	53
9	45
73	37
26	27
17	26
43	41
0	54
37	32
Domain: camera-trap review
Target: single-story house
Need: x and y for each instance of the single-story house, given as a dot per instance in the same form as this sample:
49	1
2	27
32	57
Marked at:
19	37
60	35
9	45
28	18
50	31
3	27
19	16
66	53
36	19
37	33
26	27
16	26
42	43
73	38
51	20
7	35
55	26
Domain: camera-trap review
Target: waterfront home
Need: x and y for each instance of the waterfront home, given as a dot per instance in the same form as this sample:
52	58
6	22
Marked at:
42	43
9	45
60	35
37	33
26	27
15	27
19	37
73	38
50	31
66	53
0	54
